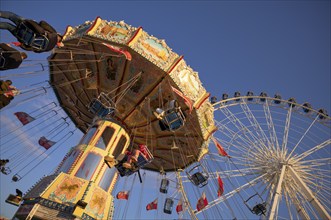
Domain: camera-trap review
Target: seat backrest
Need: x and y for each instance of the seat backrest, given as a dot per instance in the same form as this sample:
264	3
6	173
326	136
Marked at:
168	206
198	178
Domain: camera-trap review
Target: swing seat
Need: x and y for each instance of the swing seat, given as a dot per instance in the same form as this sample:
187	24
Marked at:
164	186
16	178
14	199
172	118
5	170
102	106
168	206
259	209
141	162
28	37
199	179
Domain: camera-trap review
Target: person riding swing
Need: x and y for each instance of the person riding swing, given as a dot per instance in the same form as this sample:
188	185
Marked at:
32	36
10	58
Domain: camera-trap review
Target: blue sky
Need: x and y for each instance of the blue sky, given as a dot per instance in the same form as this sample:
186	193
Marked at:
272	46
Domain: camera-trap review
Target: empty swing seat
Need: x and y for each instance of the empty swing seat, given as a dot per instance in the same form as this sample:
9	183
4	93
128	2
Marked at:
199	179
198	175
102	106
164	186
16	178
14	200
168	206
96	107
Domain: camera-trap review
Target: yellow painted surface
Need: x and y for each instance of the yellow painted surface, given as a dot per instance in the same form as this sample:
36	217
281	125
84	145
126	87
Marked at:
95	27
98	202
133	41
65	189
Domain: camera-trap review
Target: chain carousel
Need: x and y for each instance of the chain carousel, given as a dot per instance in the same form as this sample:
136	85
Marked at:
153	136
133	98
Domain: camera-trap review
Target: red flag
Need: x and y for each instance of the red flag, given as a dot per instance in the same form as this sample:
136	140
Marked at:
202	202
119	50
220	186
23	117
220	149
152	205
123	195
45	143
188	101
179	206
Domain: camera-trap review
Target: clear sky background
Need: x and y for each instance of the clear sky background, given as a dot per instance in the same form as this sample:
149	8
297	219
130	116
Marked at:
271	46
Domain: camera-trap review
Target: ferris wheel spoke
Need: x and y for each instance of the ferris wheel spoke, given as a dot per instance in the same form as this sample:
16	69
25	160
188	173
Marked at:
300	210
288	204
241	127
234	136
286	131
312	178
313	150
311	198
256	125
243	146
241	172
232	193
271	127
315	173
305	133
317	161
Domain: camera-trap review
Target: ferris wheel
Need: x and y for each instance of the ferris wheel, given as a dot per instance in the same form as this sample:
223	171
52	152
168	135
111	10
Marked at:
278	163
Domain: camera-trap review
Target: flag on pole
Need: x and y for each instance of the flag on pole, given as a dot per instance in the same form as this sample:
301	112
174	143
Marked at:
187	101
202	202
44	142
24	118
220	149
152	205
220	186
123	195
179	206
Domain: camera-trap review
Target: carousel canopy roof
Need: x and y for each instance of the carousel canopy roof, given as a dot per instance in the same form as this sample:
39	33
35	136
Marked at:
139	73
